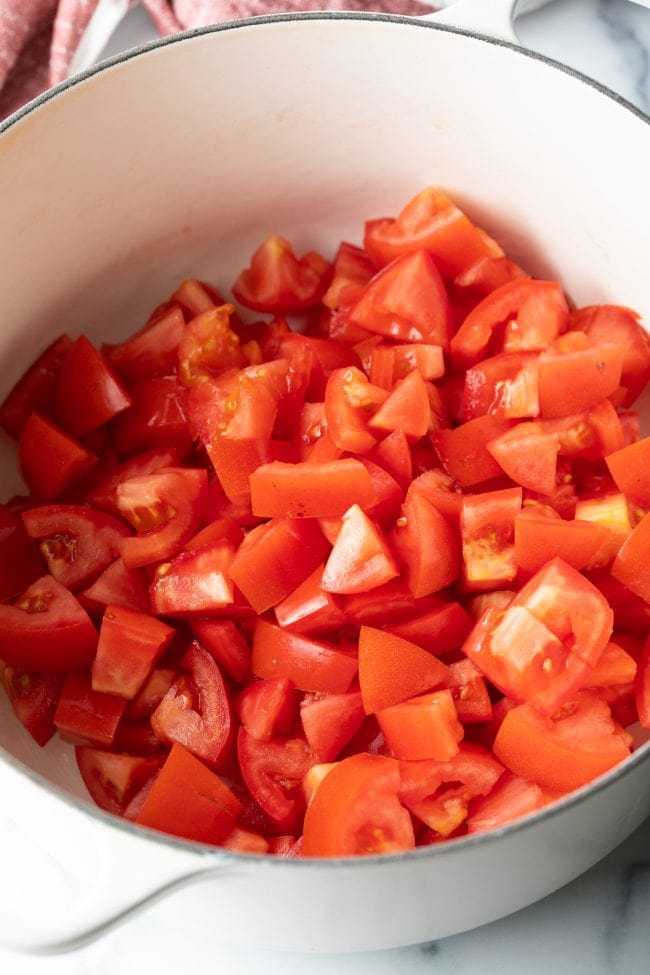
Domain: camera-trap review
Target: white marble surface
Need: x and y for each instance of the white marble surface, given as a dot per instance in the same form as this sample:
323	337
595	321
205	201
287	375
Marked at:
599	924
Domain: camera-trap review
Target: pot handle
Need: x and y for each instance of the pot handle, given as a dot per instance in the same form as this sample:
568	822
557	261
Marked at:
69	874
493	18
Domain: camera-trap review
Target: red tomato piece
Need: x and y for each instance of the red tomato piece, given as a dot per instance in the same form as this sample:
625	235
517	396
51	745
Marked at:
406	301
195	582
307	490
208	346
156	419
268	708
34	391
130	645
539	538
273	773
76	542
309	609
575	380
195	711
330	722
278	281
613	323
152	351
88	393
441	491
487	525
511	798
528	314
20	564
33	698
422	727
103	491
353	269
226	645
528	456
564	752
481	279
165	508
309	664
392	670
51	462
469	692
275	558
85	716
356	811
47	630
504	385
189	800
360	559
426	547
407	409
540	647
438	630
433	222
388	494
632	564
394	457
113	780
630	468
235	460
151	694
195	297
118	586
349	402
614	667
463	452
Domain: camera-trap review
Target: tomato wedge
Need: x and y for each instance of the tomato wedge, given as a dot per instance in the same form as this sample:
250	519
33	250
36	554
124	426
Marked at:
356	811
277	281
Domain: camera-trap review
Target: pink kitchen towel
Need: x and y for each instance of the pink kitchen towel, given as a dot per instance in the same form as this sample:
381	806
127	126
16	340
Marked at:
38	38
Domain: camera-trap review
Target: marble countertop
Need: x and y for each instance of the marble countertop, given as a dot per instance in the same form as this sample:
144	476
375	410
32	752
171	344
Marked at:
597	925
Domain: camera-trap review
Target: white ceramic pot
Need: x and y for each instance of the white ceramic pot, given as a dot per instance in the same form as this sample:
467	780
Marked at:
177	161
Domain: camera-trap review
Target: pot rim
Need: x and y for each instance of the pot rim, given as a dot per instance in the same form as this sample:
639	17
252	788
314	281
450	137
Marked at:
215	853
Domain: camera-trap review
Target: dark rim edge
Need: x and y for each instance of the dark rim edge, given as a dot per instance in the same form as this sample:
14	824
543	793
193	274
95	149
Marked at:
217	854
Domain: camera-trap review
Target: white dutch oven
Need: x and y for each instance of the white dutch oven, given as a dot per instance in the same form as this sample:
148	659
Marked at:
177	161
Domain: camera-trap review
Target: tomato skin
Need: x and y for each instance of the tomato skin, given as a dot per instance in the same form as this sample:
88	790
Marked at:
51	462
310	490
268	708
130	644
613	323
573	381
236	460
309	664
528	456
47	630
309	609
463	451
439	630
226	645
119	586
156	420
407	409
88	394
330	721
166	508
426	546
539	538
76	542
392	670
629	468
34	391
356	811
189	800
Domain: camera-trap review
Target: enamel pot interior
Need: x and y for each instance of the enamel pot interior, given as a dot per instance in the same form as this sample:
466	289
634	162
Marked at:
176	163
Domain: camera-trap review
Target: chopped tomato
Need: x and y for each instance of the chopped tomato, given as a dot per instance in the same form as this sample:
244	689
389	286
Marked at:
236	460
422	727
88	394
309	609
156	419
575	380
392	670
353	269
119	586
360	558
112	780
152	351
51	462
273	772
20	564
224	642
34	698
268	708
330	721
642	687
629	468
310	490
195	582
463	452
309	664
277	281
34	391
130	645
487	527
356	810
528	456
504	385
85	716
613	323
426	547
208	346
632	564
349	402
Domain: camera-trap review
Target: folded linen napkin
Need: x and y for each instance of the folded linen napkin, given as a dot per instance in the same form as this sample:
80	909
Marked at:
39	39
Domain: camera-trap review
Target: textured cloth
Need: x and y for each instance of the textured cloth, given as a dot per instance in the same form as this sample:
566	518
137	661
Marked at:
38	38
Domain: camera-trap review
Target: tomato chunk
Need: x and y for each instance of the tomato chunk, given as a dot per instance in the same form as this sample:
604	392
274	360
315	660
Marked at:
309	664
310	490
360	559
130	644
51	462
88	394
34	391
392	670
277	281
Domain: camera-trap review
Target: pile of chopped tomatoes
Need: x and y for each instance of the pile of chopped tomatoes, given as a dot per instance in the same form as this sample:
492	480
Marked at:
368	583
